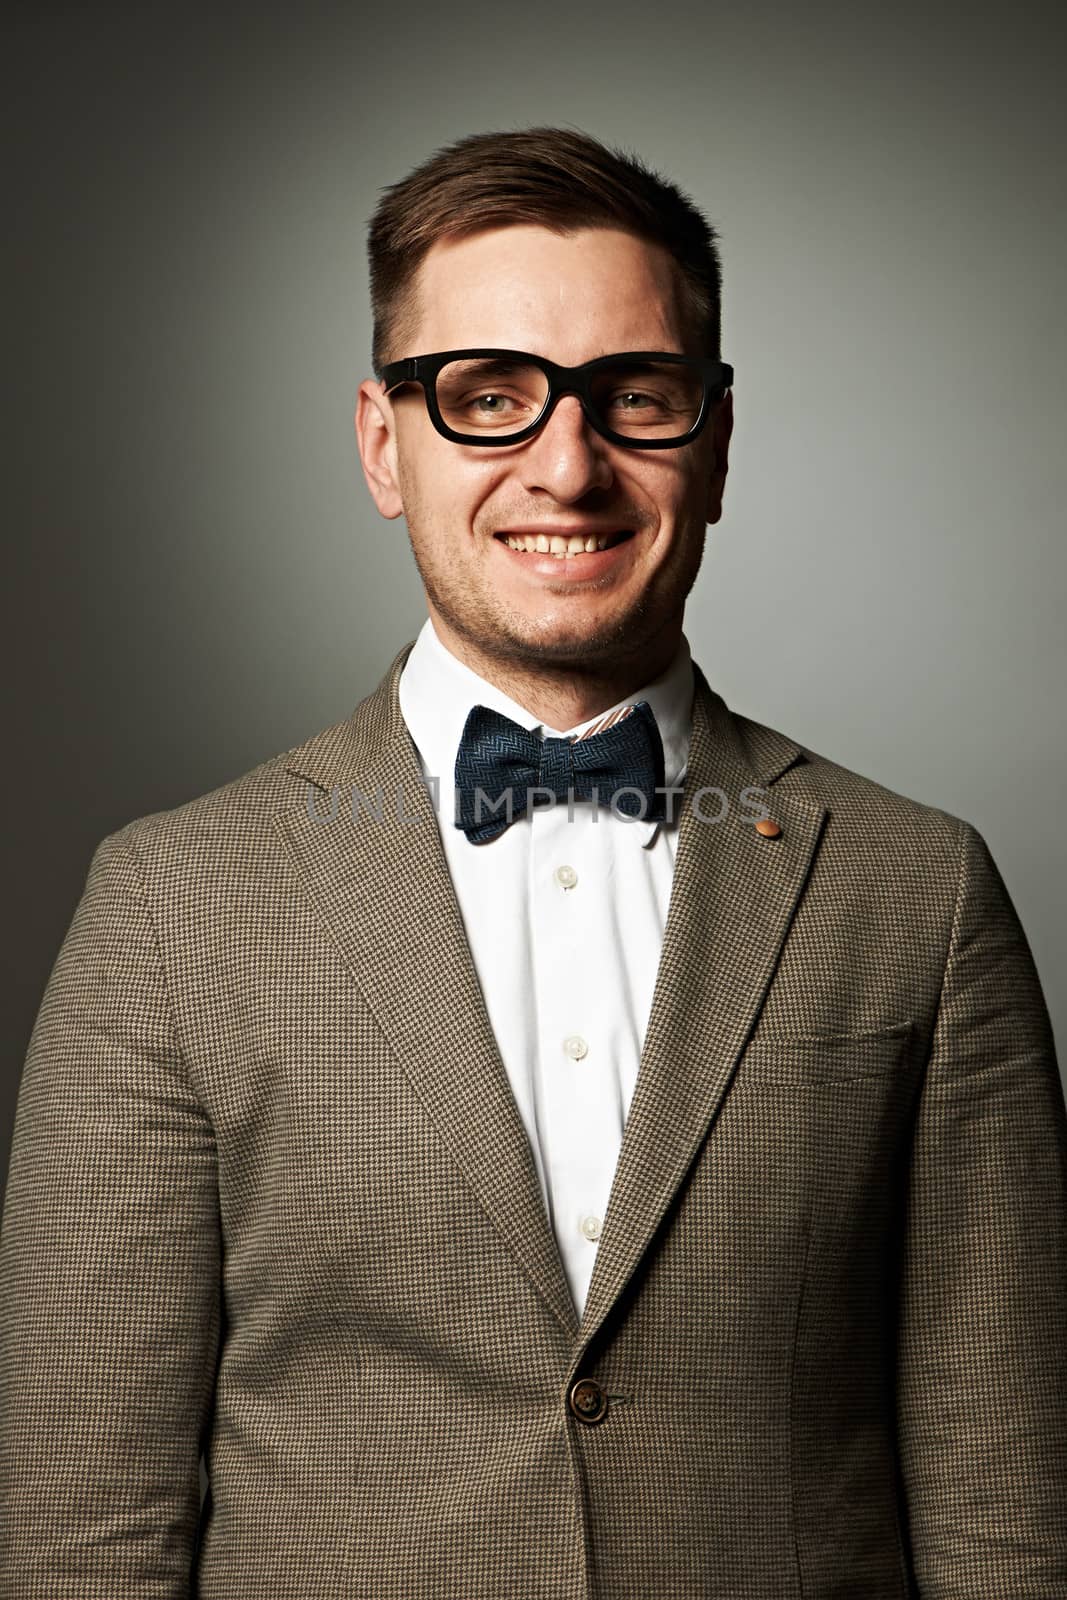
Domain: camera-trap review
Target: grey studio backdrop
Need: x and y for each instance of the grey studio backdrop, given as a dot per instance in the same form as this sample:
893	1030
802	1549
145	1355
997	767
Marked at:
199	579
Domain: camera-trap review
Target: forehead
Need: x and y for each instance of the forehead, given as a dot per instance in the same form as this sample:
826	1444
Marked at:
566	296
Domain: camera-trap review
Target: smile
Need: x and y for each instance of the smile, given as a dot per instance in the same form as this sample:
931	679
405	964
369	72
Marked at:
560	545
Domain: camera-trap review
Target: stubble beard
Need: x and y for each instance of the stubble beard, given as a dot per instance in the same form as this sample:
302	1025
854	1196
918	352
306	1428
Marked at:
513	639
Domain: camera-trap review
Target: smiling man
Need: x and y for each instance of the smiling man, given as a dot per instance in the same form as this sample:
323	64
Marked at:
497	527
548	1135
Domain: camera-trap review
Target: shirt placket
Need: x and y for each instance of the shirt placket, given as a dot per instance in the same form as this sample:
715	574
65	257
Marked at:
579	1110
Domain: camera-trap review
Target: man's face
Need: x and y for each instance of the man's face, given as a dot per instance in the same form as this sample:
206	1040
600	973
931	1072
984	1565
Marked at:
568	298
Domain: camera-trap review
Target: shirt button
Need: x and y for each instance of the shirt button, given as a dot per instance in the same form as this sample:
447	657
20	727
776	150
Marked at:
566	877
591	1227
575	1047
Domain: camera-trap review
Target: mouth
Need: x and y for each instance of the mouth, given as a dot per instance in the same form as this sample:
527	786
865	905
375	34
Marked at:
562	546
576	559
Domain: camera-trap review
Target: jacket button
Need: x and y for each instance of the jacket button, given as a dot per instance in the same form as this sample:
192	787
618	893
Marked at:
588	1401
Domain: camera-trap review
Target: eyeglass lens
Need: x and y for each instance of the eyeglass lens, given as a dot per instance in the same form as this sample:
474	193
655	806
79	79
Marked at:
642	399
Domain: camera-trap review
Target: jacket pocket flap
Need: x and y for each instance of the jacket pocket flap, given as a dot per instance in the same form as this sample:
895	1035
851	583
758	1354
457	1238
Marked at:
826	1057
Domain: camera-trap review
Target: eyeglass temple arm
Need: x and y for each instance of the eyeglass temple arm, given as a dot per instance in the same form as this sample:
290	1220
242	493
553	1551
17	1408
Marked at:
395	372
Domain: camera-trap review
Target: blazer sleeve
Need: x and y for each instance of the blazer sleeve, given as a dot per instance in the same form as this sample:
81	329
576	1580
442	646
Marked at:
109	1272
982	1353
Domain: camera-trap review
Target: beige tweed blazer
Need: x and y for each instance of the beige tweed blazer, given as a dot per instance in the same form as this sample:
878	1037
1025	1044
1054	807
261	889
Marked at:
271	1198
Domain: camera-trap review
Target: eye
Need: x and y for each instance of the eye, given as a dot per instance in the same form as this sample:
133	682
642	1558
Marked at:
492	402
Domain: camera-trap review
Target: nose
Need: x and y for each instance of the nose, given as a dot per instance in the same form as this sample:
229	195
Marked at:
567	458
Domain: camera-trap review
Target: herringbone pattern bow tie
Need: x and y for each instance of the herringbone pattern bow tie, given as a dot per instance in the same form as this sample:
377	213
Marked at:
620	765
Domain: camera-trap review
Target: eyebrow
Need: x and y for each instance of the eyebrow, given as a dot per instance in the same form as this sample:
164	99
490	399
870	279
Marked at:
489	365
509	363
662	350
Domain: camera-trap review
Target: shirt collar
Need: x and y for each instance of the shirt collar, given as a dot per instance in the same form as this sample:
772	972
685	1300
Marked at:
437	691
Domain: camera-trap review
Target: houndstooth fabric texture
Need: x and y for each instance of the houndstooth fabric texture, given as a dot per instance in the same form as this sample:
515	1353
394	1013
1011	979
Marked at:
499	764
270	1193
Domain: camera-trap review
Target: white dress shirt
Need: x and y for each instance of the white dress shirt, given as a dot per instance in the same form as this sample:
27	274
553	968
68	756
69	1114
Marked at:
565	919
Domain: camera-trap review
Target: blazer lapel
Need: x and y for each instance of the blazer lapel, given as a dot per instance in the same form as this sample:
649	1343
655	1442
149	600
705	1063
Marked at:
732	900
385	892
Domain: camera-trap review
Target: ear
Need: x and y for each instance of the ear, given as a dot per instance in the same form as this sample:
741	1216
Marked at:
376	438
722	426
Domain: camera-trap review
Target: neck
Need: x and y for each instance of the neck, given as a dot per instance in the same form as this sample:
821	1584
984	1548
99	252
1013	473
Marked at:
563	694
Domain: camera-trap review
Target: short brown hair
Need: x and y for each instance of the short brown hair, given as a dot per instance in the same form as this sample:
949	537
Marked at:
559	178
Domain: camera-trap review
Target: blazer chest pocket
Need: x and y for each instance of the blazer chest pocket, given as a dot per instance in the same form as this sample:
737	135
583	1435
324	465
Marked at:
830	1058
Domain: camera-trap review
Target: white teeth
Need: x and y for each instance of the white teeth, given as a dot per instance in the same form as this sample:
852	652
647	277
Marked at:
574	545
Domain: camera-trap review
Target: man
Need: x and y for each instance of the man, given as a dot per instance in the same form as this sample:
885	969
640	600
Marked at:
333	1155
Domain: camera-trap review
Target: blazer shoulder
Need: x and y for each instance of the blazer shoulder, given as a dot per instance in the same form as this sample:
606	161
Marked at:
846	793
229	818
227	835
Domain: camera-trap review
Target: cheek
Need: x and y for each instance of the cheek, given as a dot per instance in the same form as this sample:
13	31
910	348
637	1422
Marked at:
693	484
443	490
479	492
668	486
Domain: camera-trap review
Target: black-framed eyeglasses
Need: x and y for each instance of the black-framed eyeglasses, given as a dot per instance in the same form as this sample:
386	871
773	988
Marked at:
644	399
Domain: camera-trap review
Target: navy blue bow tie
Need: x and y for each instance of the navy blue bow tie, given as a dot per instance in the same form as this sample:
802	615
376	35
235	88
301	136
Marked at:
499	761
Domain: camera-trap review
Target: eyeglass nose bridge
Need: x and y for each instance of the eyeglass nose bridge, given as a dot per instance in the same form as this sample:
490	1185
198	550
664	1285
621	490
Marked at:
561	383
